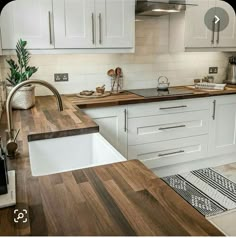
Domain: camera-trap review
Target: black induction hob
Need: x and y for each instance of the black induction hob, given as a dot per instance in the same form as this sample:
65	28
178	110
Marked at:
153	92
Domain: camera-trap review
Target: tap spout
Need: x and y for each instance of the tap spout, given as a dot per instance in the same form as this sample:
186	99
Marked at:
13	92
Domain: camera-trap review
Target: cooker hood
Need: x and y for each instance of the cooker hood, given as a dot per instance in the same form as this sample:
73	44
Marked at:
160	7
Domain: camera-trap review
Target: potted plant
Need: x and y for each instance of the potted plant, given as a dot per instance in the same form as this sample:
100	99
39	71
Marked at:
21	71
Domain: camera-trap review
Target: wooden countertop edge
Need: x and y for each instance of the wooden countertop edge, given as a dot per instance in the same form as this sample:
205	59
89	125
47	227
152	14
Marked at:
62	133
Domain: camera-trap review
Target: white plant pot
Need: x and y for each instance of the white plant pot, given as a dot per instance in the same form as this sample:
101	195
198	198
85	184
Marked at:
24	97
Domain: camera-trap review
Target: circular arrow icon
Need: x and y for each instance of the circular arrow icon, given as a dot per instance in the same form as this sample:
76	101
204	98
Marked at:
216	16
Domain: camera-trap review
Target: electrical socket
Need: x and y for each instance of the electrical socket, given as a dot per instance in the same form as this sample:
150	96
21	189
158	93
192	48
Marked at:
61	77
213	70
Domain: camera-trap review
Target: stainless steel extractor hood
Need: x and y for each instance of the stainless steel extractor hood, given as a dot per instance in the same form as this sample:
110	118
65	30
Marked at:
159	7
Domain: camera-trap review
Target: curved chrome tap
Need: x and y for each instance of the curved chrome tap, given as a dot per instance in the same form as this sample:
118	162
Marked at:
11	143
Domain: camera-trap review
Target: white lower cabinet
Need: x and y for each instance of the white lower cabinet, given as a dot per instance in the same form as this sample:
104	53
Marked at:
168	134
112	123
169	152
223	126
167	127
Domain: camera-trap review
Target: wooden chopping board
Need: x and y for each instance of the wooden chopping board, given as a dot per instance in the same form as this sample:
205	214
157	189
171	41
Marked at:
106	94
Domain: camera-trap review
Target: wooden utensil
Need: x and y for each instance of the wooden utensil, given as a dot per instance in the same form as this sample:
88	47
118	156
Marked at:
111	73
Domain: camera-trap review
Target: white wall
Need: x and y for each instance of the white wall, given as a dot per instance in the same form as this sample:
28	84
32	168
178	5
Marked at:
141	70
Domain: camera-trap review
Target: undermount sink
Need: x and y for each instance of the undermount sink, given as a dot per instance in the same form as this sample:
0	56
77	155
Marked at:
71	153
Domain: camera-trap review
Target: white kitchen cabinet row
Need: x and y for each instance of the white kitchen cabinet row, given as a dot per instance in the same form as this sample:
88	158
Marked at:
69	24
198	35
172	132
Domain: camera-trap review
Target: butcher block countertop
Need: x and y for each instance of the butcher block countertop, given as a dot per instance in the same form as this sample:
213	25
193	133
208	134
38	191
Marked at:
130	98
118	199
45	122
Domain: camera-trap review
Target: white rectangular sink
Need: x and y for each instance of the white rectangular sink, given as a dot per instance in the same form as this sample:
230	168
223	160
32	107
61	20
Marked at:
71	153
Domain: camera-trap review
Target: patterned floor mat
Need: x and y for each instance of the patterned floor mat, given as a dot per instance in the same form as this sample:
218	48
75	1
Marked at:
206	190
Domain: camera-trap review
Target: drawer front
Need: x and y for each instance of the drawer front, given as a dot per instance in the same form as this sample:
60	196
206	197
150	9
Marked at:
168	107
171	152
165	127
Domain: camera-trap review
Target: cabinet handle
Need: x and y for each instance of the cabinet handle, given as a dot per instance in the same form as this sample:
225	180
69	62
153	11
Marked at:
213	31
176	107
50	27
93	29
218	33
171	127
214	110
125	117
100	28
171	153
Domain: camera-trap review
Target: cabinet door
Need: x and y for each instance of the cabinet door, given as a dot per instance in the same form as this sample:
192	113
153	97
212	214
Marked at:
74	23
112	125
115	23
223	127
30	20
196	32
227	37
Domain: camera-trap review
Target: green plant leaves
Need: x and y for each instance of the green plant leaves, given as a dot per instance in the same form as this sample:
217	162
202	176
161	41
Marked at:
20	72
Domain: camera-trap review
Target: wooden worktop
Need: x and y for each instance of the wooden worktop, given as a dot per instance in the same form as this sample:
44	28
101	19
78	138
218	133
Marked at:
118	199
130	98
44	121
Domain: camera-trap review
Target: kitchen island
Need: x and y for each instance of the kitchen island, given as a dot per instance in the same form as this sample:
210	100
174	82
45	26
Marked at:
119	199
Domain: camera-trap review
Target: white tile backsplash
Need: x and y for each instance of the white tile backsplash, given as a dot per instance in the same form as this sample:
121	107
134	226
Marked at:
141	69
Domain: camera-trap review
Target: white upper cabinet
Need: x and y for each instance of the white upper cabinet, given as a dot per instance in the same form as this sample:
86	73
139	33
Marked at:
197	34
115	20
94	23
69	24
226	37
29	20
74	23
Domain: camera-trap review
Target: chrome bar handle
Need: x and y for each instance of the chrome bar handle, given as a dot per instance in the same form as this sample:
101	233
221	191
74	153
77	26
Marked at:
93	29
100	28
214	110
218	33
171	127
125	117
213	31
172	153
50	28
176	107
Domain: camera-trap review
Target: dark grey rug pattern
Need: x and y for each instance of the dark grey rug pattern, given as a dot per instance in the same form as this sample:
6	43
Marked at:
206	190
